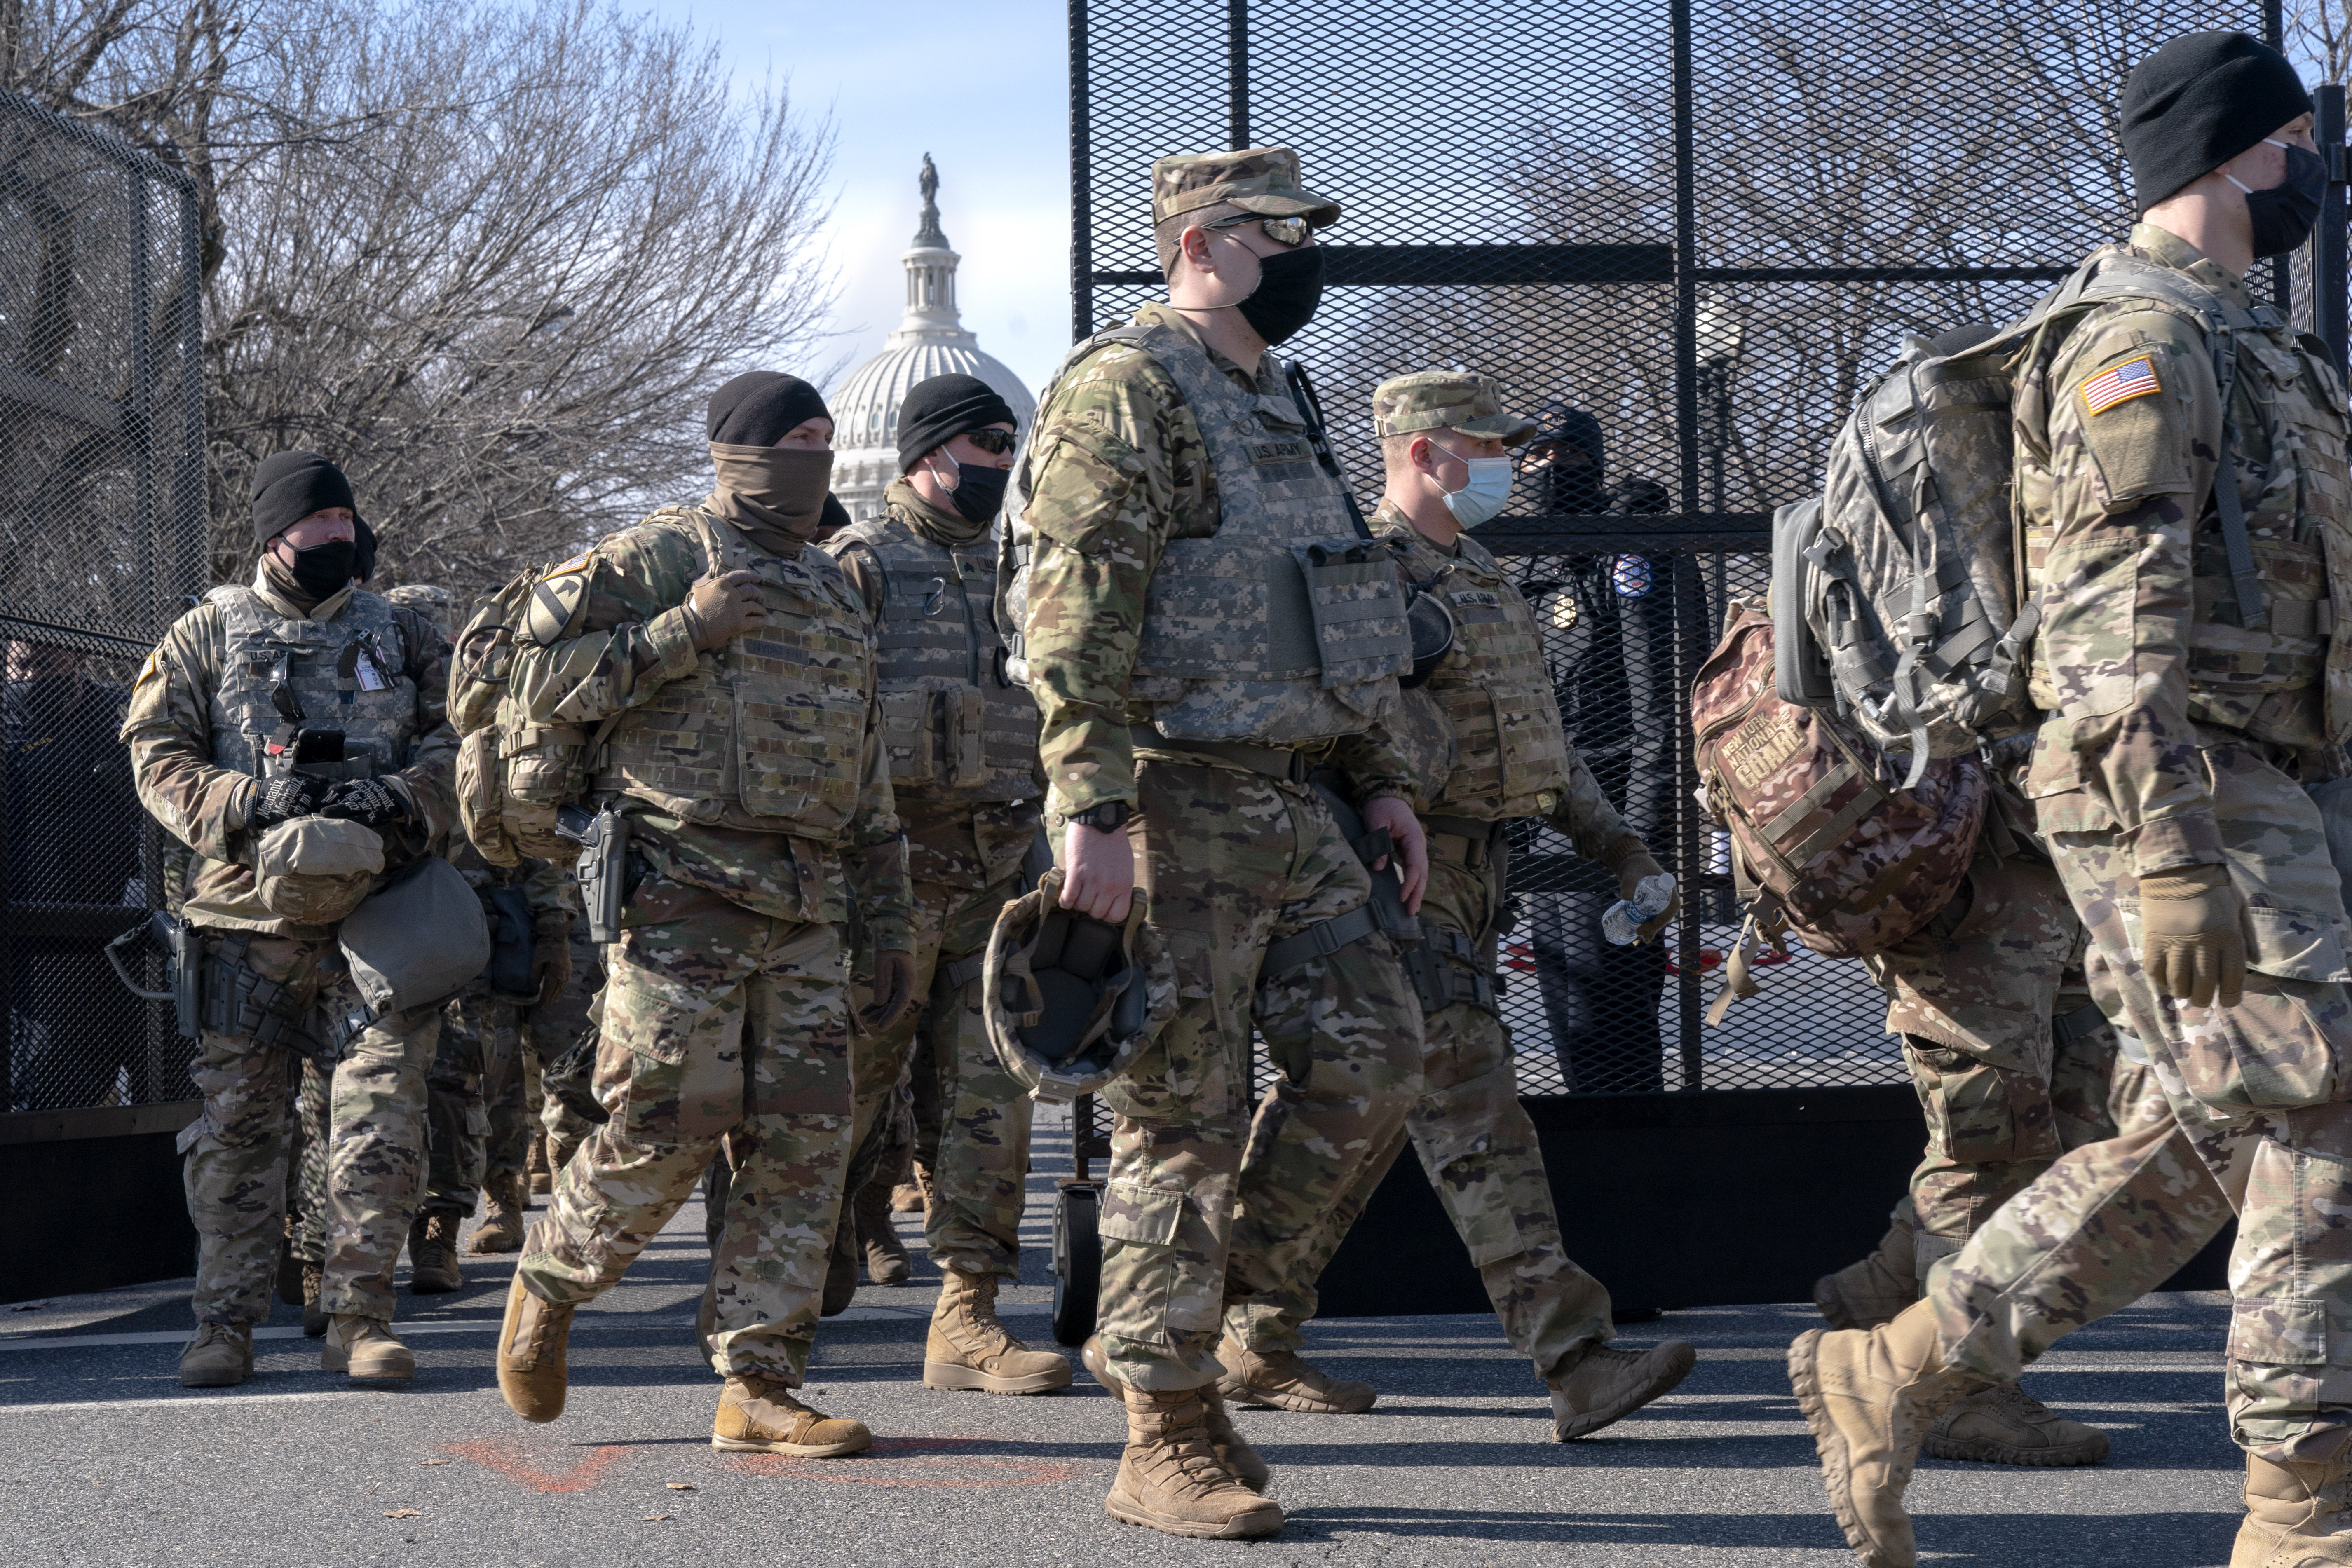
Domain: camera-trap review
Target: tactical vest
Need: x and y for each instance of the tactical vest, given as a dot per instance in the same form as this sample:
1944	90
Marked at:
767	731
956	728
1284	626
279	676
2289	682
1510	748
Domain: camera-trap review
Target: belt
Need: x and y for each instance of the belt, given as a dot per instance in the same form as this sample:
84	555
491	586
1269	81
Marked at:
1464	840
2084	1021
965	970
1273	761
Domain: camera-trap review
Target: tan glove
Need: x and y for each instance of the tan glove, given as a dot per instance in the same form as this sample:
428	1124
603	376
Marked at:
2193	935
720	608
551	961
1630	868
894	989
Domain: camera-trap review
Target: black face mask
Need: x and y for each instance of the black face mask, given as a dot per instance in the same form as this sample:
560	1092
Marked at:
979	491
1289	286
2283	214
325	570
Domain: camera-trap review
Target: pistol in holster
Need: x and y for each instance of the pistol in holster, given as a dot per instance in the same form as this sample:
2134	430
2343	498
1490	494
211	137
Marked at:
183	971
604	867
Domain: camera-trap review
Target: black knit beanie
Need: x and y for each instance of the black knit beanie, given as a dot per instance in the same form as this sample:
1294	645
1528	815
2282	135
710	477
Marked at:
759	407
289	486
2198	102
937	411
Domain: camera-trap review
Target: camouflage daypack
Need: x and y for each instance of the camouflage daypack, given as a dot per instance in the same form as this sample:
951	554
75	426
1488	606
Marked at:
513	776
1820	838
1898	594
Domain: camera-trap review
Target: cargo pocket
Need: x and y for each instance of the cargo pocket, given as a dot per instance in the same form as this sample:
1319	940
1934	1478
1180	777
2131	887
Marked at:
1150	1217
2290	1331
907	738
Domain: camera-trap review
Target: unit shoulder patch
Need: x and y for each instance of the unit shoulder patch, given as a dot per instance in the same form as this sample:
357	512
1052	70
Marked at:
2120	383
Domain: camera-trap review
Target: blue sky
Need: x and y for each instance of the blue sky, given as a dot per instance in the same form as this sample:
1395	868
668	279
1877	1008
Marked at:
982	89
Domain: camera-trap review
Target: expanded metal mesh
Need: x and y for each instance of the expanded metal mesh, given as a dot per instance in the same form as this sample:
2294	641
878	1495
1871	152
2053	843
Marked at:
101	541
1683	236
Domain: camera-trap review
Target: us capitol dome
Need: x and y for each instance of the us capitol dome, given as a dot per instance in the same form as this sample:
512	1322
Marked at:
931	340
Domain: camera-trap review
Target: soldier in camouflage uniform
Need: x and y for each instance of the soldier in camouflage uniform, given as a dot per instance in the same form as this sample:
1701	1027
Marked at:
739	670
2188	705
2013	1064
1181	549
1499	754
961	740
476	1085
550	1029
215	727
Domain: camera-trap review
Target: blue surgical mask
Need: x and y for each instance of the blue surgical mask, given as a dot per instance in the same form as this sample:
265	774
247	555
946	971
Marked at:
1484	494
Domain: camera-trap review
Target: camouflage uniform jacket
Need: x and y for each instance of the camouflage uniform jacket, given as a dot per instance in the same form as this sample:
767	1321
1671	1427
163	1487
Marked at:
632	638
968	846
1571	799
2140	660
169	730
1118	468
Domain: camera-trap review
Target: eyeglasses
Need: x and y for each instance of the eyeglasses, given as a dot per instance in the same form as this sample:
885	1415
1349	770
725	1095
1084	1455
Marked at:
1285	231
995	443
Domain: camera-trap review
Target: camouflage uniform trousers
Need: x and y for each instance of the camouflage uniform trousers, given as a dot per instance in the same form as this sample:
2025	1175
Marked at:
1975	997
719	1025
1481	1153
311	1082
549	1030
480	1041
979	1155
1236	861
372	1152
2256	1126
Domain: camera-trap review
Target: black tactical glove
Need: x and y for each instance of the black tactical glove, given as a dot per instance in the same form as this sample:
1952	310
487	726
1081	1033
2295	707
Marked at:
894	989
370	802
281	799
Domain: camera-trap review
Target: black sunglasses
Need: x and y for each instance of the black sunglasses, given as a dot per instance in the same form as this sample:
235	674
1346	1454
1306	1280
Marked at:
995	443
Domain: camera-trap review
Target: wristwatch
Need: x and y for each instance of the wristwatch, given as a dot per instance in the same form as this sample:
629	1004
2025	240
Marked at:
1108	817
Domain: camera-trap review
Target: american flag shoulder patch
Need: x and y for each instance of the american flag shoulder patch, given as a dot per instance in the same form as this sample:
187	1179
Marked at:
2133	378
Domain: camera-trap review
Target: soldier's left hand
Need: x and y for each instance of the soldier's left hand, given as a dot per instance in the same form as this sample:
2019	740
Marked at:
370	802
1413	844
894	989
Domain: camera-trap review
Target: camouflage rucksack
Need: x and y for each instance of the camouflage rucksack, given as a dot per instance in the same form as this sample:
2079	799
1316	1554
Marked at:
1898	595
513	776
1820	837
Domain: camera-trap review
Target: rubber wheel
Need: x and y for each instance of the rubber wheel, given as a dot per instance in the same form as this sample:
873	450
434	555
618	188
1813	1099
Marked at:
1077	1262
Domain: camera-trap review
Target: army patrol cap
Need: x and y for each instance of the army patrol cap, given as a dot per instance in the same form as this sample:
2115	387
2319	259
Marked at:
1261	180
1447	400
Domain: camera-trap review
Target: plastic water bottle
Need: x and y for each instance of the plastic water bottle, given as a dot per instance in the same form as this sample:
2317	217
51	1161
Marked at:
1622	922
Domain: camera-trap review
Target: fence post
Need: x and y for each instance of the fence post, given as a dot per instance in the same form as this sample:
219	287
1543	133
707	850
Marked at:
2330	266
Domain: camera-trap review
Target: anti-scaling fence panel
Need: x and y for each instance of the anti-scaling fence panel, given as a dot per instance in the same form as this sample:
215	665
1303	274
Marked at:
101	541
1683	236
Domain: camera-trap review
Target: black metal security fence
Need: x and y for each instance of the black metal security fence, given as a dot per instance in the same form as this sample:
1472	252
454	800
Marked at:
1683	235
101	541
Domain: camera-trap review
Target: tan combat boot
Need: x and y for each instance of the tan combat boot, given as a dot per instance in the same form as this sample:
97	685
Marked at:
314	1312
1870	1395
433	1255
2004	1424
1865	1294
913	1196
886	1256
365	1347
2297	1515
1233	1449
969	1349
1284	1379
759	1412
502	1226
532	1344
535	1165
1607	1383
220	1356
1170	1477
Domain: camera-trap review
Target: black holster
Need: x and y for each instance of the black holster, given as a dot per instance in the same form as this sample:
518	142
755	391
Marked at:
1385	912
183	967
242	1004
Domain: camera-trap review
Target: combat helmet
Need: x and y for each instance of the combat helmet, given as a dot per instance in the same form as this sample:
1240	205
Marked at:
1071	1001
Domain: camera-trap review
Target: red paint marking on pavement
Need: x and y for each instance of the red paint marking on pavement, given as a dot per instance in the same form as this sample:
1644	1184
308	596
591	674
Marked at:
510	1463
896	1462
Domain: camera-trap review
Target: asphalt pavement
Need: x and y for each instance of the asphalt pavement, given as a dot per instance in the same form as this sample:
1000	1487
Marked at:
105	1459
